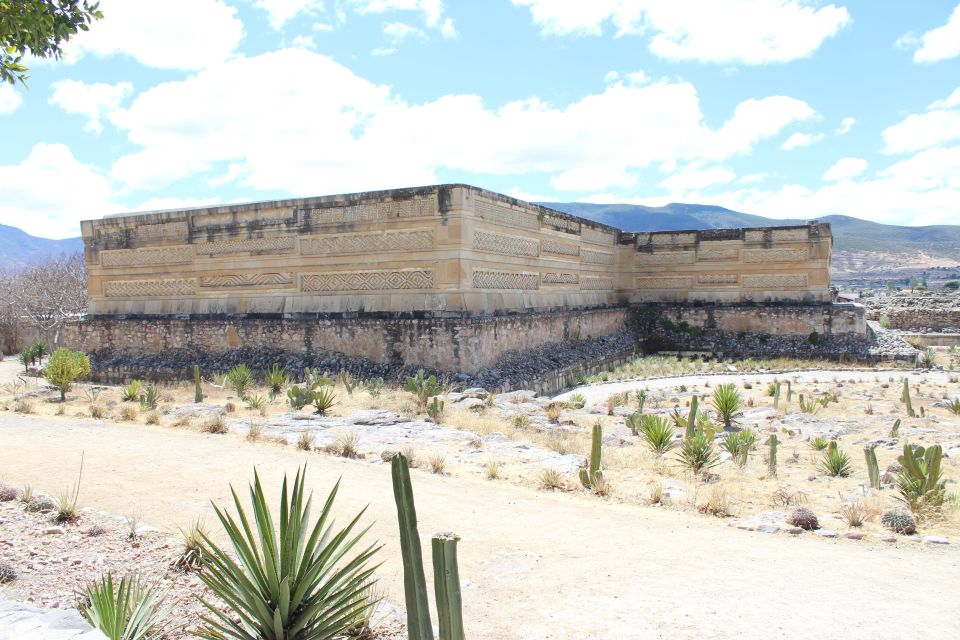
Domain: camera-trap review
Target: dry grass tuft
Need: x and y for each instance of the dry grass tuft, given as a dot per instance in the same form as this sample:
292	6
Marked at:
305	441
152	418
216	426
438	465
551	479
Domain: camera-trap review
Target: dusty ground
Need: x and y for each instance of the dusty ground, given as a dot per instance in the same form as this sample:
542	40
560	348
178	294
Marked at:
547	564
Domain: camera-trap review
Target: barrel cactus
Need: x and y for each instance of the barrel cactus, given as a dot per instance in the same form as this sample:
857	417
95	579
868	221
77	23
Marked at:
899	521
804	518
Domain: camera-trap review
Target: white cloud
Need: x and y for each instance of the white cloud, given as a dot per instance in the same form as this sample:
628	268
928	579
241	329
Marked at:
167	203
448	29
304	42
734	31
177	34
279	12
941	43
846	125
397	32
10	99
696	178
90	100
939	124
845	169
49	192
798	140
752	177
340	132
520	194
432	10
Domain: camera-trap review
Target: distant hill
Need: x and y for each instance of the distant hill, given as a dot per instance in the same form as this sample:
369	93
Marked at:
19	249
850	234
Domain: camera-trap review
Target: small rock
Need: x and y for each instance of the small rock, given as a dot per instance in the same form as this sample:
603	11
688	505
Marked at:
935	540
53	531
826	533
387	454
792	530
768	528
853	535
888	539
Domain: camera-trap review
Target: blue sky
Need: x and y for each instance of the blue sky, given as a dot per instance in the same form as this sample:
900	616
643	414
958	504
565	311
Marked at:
785	108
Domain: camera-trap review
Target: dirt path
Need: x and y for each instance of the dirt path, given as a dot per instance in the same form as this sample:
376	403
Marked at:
534	565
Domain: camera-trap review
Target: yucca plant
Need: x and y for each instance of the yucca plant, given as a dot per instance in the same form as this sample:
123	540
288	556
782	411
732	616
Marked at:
657	433
954	406
835	462
277	378
739	444
291	580
697	453
132	611
254	401
131	392
577	401
324	399
240	379
818	443
727	402
191	556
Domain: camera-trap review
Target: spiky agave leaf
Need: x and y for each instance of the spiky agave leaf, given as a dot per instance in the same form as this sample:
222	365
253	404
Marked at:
288	582
132	611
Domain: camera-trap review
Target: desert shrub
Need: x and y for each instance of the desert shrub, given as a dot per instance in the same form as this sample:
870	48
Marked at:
190	556
697	453
7	493
784	497
375	387
41	504
306	441
66	504
899	521
229	407
131	611
150	398
553	413
809	405
727	402
558	443
26	494
854	513
813	338
493	469
97	412
656	492
217	425
835	462
803	518
7	572
423	388
600	486
520	421
131	392
718	502
818	443
66	367
550	479
240	379
577	401
292	579
929	358
438	465
657	434
346	444
411	455
152	418
132	523
128	414
884	322
254	431
23	406
954	406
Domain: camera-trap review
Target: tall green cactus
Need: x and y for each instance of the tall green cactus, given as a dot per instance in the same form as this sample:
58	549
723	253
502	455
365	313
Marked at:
776	397
920	480
587	477
789	392
905	398
772	456
692	417
895	431
414	582
446	584
873	469
197	389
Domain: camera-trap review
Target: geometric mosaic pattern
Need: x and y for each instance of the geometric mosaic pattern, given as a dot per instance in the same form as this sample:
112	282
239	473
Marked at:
778	281
148	288
247	280
559	247
490	279
775	255
378	280
717	278
777	235
596	257
593	283
283	244
504	215
561	278
665	282
664	258
717	254
366	243
387	210
146	257
505	245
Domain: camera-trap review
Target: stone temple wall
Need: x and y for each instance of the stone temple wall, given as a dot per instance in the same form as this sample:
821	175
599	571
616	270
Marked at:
441	251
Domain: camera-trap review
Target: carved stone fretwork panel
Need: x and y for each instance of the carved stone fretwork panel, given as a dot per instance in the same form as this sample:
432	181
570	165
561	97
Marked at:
717	254
596	257
283	244
491	279
665	282
559	247
253	218
247	280
505	245
777	235
367	280
149	288
561	278
776	255
146	257
666	239
664	258
155	232
496	212
717	279
775	281
367	243
561	224
595	235
596	283
370	212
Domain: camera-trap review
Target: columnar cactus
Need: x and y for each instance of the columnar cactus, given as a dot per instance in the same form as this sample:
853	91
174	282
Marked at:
446	583
895	431
789	392
587	477
772	456
776	397
873	469
414	582
906	398
197	389
692	418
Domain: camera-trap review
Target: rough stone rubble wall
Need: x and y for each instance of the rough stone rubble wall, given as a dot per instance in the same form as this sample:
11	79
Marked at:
443	251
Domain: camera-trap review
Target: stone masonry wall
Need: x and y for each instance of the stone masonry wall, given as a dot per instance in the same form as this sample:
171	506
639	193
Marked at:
825	319
455	345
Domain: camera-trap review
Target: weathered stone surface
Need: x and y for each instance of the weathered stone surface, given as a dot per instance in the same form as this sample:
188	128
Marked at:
20	621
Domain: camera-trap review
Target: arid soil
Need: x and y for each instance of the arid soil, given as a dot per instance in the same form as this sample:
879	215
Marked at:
537	564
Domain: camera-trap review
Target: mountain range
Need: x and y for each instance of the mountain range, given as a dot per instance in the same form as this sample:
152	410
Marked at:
860	246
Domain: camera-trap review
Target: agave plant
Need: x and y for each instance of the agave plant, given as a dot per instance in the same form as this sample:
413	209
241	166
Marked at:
240	379
290	580
131	392
132	611
835	462
277	379
657	433
727	402
697	453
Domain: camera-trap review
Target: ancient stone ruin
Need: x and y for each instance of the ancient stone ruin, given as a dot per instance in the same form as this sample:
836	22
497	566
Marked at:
450	277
